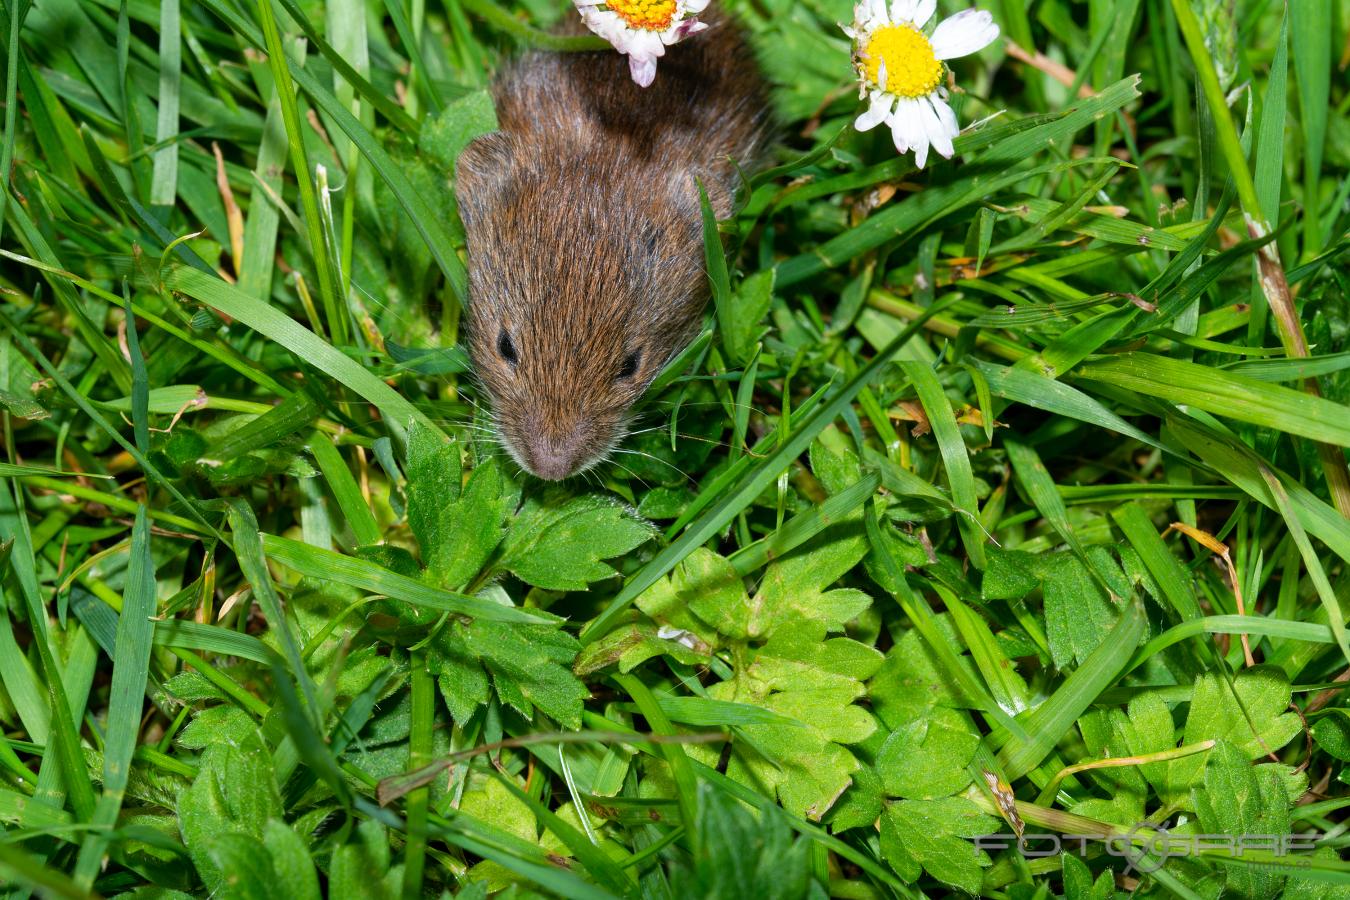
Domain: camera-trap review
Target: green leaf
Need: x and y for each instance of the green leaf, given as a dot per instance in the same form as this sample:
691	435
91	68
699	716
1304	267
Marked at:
492	802
742	328
360	869
1078	883
235	793
794	587
223	724
238	864
1011	574
747	855
291	862
1251	715
911	681
1079	614
450	131
800	675
801	657
926	759
930	833
529	666
1332	734
1242	799
1148	728
561	545
713	591
457	529
803	769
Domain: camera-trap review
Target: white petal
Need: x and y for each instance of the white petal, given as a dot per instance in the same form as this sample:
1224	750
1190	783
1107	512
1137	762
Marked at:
622	40
643	70
607	25
898	137
965	33
902	10
920	153
694	7
870	14
677	33
945	114
907	126
923	11
936	129
877	112
645	43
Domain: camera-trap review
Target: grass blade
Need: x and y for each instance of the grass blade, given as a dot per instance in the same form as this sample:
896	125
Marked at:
955	457
131	669
367	576
1224	394
1048	722
164	181
305	344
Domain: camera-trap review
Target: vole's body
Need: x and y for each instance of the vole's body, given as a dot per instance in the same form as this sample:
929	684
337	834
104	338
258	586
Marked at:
585	244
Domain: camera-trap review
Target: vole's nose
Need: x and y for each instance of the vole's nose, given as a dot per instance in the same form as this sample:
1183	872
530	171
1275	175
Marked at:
553	459
553	466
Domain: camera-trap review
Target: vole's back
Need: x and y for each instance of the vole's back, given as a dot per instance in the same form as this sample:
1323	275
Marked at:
585	245
708	105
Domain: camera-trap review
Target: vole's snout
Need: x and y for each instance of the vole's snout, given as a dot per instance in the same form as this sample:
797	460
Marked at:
555	457
551	461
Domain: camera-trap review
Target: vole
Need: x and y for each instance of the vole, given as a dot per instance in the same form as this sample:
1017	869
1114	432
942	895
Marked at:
583	223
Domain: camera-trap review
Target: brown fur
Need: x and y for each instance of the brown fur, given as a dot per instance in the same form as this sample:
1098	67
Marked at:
584	236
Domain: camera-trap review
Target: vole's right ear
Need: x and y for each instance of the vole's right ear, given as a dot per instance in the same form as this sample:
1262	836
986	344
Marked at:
483	171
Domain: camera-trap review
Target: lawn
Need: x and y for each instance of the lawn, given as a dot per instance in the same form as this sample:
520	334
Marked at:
1003	496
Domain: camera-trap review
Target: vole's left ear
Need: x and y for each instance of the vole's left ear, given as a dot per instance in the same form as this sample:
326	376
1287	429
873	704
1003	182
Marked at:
483	170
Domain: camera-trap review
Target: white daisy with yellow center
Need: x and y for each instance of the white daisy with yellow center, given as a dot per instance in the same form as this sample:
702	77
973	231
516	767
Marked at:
900	69
642	28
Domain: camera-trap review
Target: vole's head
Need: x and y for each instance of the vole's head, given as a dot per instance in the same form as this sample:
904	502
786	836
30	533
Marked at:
584	282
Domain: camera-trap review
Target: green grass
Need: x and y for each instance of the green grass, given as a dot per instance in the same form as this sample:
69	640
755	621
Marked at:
890	565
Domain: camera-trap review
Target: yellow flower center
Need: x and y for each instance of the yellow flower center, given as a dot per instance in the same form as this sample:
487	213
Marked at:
911	68
646	15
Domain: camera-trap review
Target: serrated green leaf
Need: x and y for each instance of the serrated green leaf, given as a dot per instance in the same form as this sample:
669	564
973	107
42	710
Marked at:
561	545
1241	799
234	794
930	833
926	759
1251	715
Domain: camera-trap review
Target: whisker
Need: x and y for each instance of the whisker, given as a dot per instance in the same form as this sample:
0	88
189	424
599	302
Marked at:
619	450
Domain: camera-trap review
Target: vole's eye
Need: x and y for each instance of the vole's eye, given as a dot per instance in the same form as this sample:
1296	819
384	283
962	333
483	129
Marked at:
630	365
506	348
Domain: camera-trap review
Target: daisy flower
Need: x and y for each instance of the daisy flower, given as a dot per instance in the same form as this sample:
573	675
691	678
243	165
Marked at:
900	69
642	28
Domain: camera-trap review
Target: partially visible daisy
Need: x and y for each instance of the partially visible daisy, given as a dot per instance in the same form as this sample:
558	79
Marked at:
900	69
642	28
